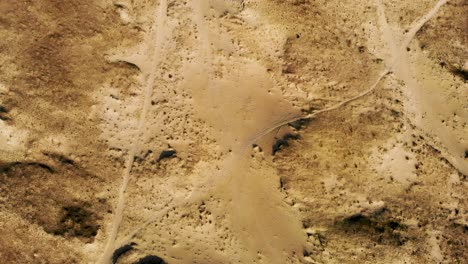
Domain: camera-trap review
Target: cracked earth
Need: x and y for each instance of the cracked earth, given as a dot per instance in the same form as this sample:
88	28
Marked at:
230	131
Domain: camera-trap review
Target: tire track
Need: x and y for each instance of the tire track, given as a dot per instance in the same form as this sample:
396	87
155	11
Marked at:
153	61
411	33
204	59
403	69
195	197
396	54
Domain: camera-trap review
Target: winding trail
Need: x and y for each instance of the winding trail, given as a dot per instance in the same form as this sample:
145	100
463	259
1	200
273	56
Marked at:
428	101
150	79
396	55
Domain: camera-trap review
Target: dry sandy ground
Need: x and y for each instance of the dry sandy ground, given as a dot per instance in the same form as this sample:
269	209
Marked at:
229	131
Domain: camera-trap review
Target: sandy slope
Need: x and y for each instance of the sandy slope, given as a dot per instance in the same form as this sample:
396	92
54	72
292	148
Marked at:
229	131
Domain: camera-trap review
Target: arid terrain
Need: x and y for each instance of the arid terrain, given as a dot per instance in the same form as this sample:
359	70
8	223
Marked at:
230	131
